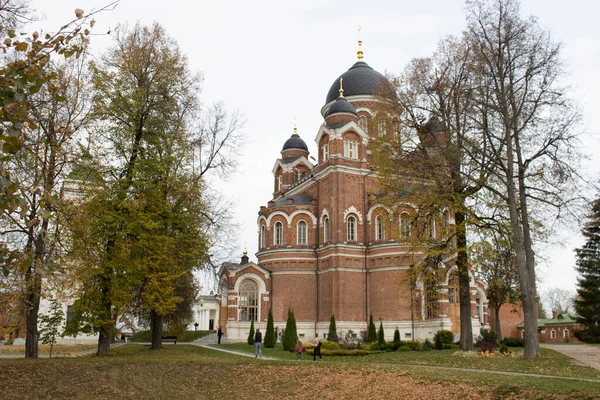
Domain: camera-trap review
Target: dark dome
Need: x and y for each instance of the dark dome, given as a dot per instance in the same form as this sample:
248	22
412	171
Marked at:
341	105
295	142
359	79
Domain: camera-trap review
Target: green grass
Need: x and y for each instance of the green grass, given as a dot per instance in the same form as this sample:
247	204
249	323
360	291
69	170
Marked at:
186	371
551	363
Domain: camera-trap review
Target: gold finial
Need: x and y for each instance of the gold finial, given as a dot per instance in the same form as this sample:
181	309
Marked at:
245	249
295	128
359	52
341	88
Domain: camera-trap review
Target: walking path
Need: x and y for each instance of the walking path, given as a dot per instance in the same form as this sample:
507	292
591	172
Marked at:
583	353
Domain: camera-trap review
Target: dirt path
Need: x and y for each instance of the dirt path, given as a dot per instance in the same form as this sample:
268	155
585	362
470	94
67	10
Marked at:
585	354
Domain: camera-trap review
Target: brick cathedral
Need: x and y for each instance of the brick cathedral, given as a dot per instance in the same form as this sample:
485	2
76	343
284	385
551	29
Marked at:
327	246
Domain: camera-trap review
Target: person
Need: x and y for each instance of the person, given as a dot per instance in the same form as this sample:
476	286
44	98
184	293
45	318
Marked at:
219	334
299	350
258	344
317	350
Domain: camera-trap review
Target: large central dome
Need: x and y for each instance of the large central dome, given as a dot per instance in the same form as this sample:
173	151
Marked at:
359	79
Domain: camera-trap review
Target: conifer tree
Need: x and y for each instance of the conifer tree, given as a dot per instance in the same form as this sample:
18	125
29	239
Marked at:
332	335
270	339
396	336
290	336
372	332
251	334
438	342
587	302
381	335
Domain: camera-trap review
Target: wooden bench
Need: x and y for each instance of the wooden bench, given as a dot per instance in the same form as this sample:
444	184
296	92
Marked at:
170	339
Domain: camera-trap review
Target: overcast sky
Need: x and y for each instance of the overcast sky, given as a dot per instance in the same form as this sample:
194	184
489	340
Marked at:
275	61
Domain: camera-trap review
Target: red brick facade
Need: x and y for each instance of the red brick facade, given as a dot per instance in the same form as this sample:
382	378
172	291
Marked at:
327	246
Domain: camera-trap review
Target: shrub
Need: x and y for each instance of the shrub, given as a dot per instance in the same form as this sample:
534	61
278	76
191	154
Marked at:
290	336
251	334
503	349
332	336
488	341
372	332
413	345
329	345
438	342
396	336
513	342
427	345
447	337
270	339
403	348
393	346
340	352
187	336
381	335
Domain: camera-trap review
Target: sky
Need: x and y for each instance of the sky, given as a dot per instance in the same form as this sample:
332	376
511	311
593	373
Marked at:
274	62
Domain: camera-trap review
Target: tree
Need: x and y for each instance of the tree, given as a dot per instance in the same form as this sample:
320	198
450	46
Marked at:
438	143
495	261
50	322
587	302
372	332
332	334
381	335
290	336
527	121
397	337
152	208
36	111
251	334
270	339
559	300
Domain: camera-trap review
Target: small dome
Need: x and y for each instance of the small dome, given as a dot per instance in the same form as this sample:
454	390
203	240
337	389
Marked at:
341	105
359	79
295	142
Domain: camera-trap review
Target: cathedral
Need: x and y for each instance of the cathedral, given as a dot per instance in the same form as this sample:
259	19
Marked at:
327	246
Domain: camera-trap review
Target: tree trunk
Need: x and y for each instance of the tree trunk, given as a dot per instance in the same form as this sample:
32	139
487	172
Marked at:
104	339
497	322
157	330
34	287
466	325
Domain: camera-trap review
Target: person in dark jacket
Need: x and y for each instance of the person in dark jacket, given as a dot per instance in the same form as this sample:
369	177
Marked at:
219	334
258	344
317	348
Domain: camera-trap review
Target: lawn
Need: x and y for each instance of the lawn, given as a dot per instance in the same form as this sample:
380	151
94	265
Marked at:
185	371
43	349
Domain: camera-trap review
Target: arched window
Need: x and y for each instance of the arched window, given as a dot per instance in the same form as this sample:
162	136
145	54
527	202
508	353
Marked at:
453	293
325	151
431	295
363	123
552	334
430	226
278	234
278	182
248	301
566	334
404	225
381	127
351	149
379	228
351	229
301	232
263	233
326	230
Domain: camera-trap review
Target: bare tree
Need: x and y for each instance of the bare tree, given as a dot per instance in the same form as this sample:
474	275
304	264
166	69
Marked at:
558	300
528	122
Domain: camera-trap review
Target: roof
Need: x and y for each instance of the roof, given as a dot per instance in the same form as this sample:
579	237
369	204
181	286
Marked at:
295	142
341	105
359	79
561	319
298	200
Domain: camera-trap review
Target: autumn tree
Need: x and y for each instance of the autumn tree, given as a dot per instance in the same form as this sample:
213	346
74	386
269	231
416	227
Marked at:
587	302
435	159
154	158
558	299
494	261
527	121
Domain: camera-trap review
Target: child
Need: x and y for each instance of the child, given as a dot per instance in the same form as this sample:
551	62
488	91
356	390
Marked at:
299	350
